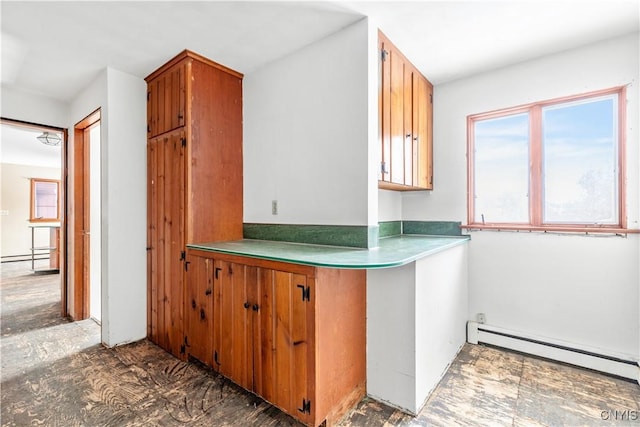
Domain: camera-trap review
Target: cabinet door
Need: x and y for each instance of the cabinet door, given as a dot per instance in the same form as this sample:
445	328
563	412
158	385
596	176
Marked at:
422	132
406	118
397	116
166	101
232	326
166	240
199	312
282	342
384	107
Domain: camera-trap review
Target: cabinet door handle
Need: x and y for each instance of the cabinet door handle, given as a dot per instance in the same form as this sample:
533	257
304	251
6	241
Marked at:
202	314
208	292
256	307
247	304
408	135
218	269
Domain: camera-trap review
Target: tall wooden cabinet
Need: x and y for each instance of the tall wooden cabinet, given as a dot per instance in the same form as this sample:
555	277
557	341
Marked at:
405	122
194	166
292	334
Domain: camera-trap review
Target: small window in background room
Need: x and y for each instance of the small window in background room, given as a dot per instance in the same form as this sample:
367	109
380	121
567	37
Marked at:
44	200
549	165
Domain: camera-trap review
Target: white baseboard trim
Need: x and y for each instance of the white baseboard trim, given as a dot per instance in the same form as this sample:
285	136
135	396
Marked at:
615	364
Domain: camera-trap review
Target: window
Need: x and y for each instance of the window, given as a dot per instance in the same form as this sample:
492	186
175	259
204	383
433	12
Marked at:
45	196
552	165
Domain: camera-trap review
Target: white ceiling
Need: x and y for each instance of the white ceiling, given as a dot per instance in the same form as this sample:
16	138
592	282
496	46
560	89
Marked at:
57	48
18	145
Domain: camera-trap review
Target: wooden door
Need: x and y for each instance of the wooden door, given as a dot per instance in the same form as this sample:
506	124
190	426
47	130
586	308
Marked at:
166	247
199	312
166	101
282	342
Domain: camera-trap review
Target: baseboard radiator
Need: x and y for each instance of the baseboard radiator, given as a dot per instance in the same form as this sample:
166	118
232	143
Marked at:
619	365
25	257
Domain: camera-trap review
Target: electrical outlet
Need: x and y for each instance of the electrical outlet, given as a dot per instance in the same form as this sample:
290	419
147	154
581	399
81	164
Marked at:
274	207
481	318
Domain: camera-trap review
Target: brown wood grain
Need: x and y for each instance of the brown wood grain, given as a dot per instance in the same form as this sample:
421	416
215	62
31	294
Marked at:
264	343
384	106
397	122
78	218
199	312
340	330
406	122
195	113
215	151
291	350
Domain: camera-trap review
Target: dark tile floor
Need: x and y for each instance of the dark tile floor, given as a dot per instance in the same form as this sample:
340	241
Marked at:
56	373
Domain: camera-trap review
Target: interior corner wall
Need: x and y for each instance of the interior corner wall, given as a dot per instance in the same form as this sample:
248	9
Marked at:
389	205
124	209
306	134
373	79
576	289
122	99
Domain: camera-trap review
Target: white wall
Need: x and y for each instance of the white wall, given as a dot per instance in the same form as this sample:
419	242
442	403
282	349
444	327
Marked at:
306	134
579	289
124	209
122	98
416	316
389	205
32	108
16	199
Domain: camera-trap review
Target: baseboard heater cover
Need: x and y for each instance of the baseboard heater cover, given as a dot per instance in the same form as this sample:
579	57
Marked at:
615	365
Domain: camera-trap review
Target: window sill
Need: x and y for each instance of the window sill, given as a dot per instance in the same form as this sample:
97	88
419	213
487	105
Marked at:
551	229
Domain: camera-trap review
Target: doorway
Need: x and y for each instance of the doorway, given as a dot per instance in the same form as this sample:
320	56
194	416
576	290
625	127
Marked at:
85	220
32	210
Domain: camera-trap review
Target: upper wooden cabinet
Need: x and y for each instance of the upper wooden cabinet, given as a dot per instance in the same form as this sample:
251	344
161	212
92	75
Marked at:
194	166
166	100
405	122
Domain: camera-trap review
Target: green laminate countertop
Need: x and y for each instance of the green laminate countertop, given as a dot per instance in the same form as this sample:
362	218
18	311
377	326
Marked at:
393	251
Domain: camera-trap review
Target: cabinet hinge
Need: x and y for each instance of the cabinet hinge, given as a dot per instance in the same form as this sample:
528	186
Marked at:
183	141
183	256
306	292
383	54
431	98
182	349
383	167
215	357
306	406
148	128
217	270
148	96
